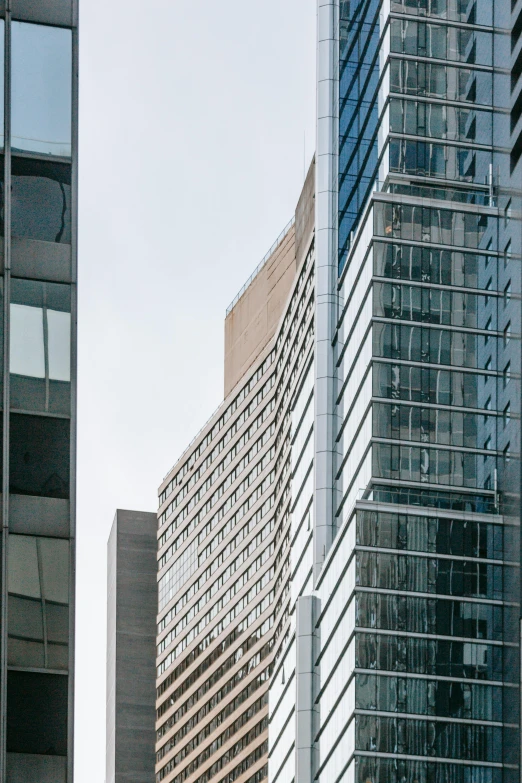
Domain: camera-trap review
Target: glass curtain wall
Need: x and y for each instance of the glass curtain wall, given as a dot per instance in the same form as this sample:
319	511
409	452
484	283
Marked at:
428	400
38	294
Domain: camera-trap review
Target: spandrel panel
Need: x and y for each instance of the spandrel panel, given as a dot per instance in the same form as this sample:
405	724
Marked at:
39	456
41	73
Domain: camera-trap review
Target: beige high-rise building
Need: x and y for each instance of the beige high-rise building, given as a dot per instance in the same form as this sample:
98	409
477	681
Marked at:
226	583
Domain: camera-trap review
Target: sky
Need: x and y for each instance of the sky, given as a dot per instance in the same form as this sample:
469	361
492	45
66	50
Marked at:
196	125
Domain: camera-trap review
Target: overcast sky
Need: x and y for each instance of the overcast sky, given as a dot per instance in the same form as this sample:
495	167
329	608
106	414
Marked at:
192	126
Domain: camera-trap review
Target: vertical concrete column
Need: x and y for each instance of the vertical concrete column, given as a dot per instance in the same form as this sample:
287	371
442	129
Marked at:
307	683
326	271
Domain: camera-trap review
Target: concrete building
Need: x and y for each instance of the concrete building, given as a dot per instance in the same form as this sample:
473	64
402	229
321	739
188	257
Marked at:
131	643
224	519
38	251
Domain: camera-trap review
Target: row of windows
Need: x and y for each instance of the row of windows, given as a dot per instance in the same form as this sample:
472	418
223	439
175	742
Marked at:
436	387
247	762
382	770
194	742
427	159
307	264
454	10
444	698
442	535
288	359
219	672
430	265
218	561
437	657
256	471
248	739
218	516
252	616
429	305
442	42
433	466
210	707
467	578
257	494
217	472
238	423
437	616
430	425
439	121
441	81
428	738
293	376
243	394
432	224
430	345
220	603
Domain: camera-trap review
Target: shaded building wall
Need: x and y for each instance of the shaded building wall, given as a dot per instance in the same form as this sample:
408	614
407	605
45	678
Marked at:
131	636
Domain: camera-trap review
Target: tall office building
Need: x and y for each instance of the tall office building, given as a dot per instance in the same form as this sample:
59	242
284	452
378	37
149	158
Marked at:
405	659
225	526
38	169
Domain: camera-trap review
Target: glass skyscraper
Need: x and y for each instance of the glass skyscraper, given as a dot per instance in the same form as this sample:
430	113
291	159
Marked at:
38	175
411	634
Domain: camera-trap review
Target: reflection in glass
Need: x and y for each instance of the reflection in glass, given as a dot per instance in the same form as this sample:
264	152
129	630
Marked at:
39	456
41	89
38	584
27	341
41	200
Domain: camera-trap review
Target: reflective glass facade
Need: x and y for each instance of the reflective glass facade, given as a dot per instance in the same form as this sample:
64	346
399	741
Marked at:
409	665
38	207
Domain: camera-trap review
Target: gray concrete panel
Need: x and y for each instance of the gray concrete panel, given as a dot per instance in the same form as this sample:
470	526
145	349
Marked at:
41	260
29	515
131	648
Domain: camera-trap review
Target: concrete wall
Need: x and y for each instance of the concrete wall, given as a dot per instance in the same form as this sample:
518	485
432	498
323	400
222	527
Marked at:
253	321
131	648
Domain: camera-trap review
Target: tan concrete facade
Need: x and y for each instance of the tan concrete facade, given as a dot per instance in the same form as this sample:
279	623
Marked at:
223	525
251	324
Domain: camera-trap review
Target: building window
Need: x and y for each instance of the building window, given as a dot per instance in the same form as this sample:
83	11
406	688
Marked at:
506	415
507	334
41	200
488	288
487	366
41	83
38	585
39	456
506	454
487	447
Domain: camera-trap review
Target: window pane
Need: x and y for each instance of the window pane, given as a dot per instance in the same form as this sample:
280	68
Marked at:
23	573
54	554
27	341
39	456
41	200
59	336
41	89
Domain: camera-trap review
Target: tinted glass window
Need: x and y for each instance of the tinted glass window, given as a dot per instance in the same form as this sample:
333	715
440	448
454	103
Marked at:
41	89
41	200
40	346
39	456
37	713
38	584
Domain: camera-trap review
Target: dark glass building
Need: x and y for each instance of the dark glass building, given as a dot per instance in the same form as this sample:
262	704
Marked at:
38	170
